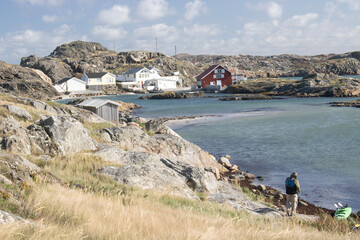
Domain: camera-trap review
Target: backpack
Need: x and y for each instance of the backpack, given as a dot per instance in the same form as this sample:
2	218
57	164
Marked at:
290	186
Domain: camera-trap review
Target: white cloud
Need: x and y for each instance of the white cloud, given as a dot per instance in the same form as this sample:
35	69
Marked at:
49	18
42	2
198	30
153	9
193	9
353	4
116	15
300	34
144	38
274	10
23	43
108	32
301	20
161	30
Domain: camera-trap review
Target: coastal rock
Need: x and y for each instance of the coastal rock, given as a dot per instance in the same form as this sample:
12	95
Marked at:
8	218
40	141
21	81
225	162
163	145
19	112
76	58
50	66
115	154
18	168
285	65
155	125
313	85
261	188
355	103
197	179
151	176
77	49
177	95
14	137
249	176
234	169
68	134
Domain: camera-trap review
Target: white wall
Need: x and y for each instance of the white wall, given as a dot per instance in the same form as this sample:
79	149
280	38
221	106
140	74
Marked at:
70	86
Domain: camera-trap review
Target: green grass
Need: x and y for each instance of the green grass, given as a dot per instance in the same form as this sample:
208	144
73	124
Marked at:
204	207
95	128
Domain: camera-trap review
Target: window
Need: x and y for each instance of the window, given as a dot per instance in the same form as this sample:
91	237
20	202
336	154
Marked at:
219	71
109	80
218	75
98	80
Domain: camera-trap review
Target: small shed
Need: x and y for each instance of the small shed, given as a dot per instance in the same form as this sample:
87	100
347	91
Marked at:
72	84
107	109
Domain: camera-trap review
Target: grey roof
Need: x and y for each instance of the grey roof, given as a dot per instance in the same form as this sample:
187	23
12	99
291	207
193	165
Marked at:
67	79
95	75
133	70
97	103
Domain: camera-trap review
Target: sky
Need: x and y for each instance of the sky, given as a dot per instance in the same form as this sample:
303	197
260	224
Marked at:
224	27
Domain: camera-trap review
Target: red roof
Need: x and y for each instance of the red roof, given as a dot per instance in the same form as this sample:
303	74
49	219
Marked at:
209	70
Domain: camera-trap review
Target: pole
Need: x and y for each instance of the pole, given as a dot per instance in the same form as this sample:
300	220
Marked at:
156	44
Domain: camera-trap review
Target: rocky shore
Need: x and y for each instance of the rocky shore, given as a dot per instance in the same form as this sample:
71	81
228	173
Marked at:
314	85
174	95
145	154
355	103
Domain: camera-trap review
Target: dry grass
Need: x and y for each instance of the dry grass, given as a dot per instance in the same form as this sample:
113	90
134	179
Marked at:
103	209
61	213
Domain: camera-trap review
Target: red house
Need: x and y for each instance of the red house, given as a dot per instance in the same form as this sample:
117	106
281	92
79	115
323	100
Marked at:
214	75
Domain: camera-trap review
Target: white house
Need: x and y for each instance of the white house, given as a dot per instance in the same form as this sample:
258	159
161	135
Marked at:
160	84
149	78
72	84
94	80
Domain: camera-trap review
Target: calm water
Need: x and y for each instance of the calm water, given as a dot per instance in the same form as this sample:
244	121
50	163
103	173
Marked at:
276	137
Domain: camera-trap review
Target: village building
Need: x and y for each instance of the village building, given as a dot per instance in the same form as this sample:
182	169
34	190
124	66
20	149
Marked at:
95	81
69	85
107	109
148	78
216	76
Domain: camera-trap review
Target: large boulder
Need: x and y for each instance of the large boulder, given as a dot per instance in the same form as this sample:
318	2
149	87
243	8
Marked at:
19	112
21	81
53	68
41	142
14	137
153	176
196	178
115	154
68	134
163	145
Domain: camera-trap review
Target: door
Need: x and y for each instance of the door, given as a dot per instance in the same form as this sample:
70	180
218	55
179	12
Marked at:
218	82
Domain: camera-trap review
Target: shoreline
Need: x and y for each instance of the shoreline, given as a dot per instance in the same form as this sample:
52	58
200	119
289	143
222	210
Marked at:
304	207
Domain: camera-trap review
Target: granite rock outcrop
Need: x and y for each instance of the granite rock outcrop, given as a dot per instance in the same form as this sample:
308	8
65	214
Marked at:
26	82
79	57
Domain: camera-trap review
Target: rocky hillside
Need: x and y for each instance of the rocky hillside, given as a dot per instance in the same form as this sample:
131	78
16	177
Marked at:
283	65
22	81
157	158
79	57
314	85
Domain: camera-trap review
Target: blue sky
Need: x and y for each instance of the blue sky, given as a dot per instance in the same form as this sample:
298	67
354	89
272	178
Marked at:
254	27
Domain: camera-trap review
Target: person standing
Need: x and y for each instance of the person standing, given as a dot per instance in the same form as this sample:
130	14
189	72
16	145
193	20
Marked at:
292	189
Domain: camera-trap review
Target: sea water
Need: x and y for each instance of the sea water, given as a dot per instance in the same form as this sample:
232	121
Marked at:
273	138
